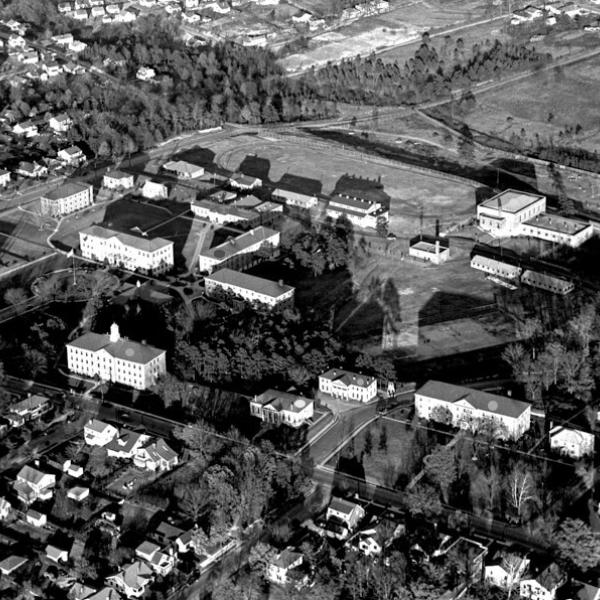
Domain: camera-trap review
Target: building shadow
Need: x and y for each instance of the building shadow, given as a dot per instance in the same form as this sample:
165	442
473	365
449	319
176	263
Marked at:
362	187
449	306
255	166
302	185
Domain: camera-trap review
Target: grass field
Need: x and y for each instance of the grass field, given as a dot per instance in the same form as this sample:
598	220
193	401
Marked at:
22	238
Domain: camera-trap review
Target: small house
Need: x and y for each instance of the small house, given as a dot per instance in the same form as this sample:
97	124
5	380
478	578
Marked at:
56	555
280	569
99	433
348	512
35	518
9	565
78	494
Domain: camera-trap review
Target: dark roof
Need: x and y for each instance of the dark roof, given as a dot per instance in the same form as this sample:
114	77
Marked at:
67	189
250	282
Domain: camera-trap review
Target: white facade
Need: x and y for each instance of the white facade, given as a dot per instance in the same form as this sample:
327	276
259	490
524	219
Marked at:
153	255
116	359
360	212
155	190
31	485
98	433
471	409
282	564
282	408
348	512
572	442
297	199
183	169
4	178
558	230
349	386
71	156
155	456
426	251
132	580
145	73
67	198
496	267
60	124
497	575
27	129
221	213
5	508
502	215
117	180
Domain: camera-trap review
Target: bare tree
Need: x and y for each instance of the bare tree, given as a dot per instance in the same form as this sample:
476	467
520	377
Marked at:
513	564
521	489
194	502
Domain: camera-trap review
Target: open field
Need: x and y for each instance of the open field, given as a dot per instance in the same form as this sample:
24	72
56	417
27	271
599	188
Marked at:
412	193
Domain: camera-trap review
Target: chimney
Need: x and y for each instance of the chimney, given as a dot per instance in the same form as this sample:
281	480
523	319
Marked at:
138	284
437	246
115	336
280	282
252	232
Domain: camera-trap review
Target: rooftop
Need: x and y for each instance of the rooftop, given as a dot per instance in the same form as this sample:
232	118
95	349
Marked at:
511	201
341	505
424	246
10	564
353	203
479	400
224	209
286	558
29	404
116	174
348	377
181	166
282	400
67	189
133	241
250	282
96	425
235	245
545	281
558	224
31	475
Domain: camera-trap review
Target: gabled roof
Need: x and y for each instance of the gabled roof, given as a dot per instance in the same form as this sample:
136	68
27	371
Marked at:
250	282
133	241
168	532
54	553
31	475
137	574
286	559
147	548
106	593
551	577
341	505
241	242
34	514
116	174
80	591
479	400
348	378
282	400
124	442
97	426
10	564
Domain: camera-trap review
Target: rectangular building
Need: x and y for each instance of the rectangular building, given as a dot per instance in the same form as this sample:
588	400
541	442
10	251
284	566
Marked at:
117	180
472	409
495	266
360	212
557	229
503	214
571	441
305	201
255	290
349	386
550	283
237	252
282	408
67	198
183	169
116	359
429	249
147	255
222	214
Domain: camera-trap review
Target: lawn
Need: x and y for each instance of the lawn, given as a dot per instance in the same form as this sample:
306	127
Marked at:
22	237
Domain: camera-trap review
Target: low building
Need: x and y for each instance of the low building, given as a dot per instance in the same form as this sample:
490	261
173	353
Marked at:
63	39
31	485
117	180
133	580
162	563
35	518
282	408
297	199
60	123
10	564
155	455
145	74
183	169
255	290
99	433
31	170
78	493
571	441
67	198
349	386
147	255
71	156
5	508
496	267
429	249
503	214
505	576
31	408
238	252
80	591
544	585
57	555
4	178
116	359
359	211
26	129
222	214
549	283
279	570
472	409
344	510
239	181
154	190
127	444
559	230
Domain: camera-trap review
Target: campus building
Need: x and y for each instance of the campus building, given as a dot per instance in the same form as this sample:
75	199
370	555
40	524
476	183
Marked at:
297	199
116	359
495	267
360	212
238	252
559	230
429	249
282	408
503	214
222	214
67	198
571	441
148	255
472	409
349	386
255	290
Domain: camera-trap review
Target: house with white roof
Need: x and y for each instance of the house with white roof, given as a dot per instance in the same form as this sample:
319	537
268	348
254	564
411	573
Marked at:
127	444
5	508
145	73
360	212
4	178
349	386
116	359
239	181
282	408
297	199
31	408
60	123
133	580
155	455
56	555
349	512
497	267
31	485
503	214
78	493
472	409
134	253
99	433
35	518
162	563
571	441
429	249
154	190
10	564
63	39
280	569
117	180
183	169
31	170
27	129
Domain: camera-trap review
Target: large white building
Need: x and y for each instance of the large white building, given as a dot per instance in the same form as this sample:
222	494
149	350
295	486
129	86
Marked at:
360	212
255	290
148	255
306	201
282	408
67	198
116	359
471	409
219	213
236	252
503	214
571	441
349	386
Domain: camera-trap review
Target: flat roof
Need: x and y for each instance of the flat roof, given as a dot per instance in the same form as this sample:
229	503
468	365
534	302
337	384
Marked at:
140	243
557	224
67	189
235	245
182	166
250	282
512	201
424	246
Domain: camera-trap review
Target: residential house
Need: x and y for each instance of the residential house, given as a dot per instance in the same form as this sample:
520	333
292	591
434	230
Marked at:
67	198
183	169
80	15
132	580
505	572
282	408
60	123
31	408
250	288
31	485
64	7
297	199
429	249
154	190
35	518
78	494
63	39
360	212
117	180
75	471
56	555
127	444
31	170
544	585
583	591
79	591
348	386
52	68
27	129
99	433
4	178
239	181
106	593
367	544
145	73
10	564
135	253
77	46
5	508
162	563
472	409
155	455
168	535
16	42
71	156
116	359
571	441
279	570
344	510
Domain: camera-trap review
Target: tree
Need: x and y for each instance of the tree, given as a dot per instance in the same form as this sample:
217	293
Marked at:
521	489
383	440
513	564
194	502
15	296
440	467
199	438
261	555
368	446
577	545
423	499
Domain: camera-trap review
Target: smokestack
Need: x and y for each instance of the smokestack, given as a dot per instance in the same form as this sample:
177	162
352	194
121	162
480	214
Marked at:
437	246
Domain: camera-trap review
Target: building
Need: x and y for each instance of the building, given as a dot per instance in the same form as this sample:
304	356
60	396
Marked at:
154	190
4	178
31	408
544	585
297	199
496	267
557	229
147	255
282	408
5	508
145	74
583	591
239	251
117	180
222	214
573	442
162	563
183	169
78	493
252	289
79	591
10	564
60	123
116	359
35	518
56	555
71	156
31	485
64	39
67	198
344	510
429	249
472	409
503	214
99	433
239	181
360	212
27	129
126	445
31	170
349	386
155	455
132	580
106	593
549	283
280	569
